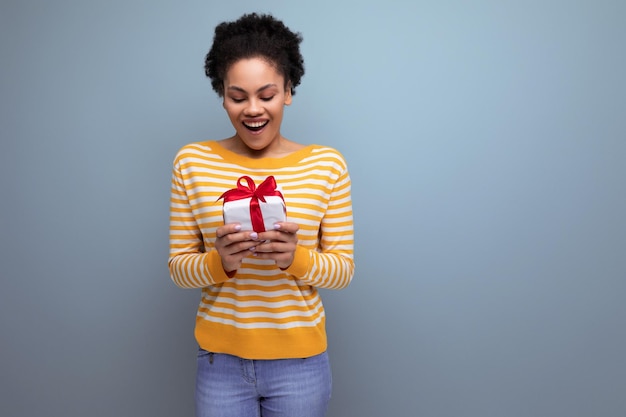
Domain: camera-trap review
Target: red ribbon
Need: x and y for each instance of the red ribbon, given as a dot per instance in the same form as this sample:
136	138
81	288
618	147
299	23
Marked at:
266	188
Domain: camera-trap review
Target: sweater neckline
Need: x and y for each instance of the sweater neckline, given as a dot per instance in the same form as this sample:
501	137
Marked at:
267	162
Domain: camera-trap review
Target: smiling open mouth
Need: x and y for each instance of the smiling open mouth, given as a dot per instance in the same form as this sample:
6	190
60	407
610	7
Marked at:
255	126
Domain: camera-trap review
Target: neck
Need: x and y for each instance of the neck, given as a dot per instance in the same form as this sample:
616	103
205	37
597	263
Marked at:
278	147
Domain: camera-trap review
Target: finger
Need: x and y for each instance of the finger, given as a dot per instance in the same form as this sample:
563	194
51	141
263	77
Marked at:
236	247
278	235
275	246
227	229
282	259
289	227
265	247
233	238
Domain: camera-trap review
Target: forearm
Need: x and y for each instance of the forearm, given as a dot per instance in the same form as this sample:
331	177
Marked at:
191	263
196	270
322	270
328	261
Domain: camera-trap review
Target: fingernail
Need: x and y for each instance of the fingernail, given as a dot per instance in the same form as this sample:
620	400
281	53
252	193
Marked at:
254	235
238	227
252	249
276	226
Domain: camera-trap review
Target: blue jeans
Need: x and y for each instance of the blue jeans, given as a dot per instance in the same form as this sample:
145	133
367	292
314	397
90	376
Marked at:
228	386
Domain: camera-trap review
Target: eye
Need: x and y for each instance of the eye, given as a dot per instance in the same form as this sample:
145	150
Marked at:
267	98
237	100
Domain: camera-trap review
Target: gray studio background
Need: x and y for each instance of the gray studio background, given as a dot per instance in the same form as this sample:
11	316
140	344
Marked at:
486	142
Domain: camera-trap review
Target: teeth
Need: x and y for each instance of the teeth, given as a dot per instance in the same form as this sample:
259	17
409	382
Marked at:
255	124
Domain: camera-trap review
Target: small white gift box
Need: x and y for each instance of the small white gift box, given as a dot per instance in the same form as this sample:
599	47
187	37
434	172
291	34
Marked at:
255	208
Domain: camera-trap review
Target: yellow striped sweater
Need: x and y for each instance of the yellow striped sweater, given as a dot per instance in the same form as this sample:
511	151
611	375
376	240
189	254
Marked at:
262	312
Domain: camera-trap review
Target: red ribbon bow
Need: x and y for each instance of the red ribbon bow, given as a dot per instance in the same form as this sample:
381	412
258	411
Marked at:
266	188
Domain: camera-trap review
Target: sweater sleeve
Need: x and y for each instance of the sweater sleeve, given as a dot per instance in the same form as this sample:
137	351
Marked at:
331	265
190	265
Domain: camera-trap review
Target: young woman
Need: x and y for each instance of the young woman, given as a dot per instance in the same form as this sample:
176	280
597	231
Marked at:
260	324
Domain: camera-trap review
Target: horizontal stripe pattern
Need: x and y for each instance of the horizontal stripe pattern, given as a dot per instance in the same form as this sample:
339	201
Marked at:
316	186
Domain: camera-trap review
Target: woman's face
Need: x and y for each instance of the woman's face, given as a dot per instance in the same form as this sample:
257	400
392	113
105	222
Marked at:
254	98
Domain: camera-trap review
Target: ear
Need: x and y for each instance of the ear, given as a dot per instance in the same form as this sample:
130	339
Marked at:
288	96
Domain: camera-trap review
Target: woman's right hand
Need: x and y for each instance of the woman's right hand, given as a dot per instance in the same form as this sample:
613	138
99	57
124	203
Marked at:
233	245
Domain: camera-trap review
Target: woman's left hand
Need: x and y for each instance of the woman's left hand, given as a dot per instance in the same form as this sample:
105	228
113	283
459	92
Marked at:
280	244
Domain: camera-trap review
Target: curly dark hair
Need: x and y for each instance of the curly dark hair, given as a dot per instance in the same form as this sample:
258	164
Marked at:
255	36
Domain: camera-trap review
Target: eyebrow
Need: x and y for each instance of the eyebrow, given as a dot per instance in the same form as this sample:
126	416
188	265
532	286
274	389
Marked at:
265	87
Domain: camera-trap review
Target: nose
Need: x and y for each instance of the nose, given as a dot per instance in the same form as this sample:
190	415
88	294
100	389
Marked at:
254	107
